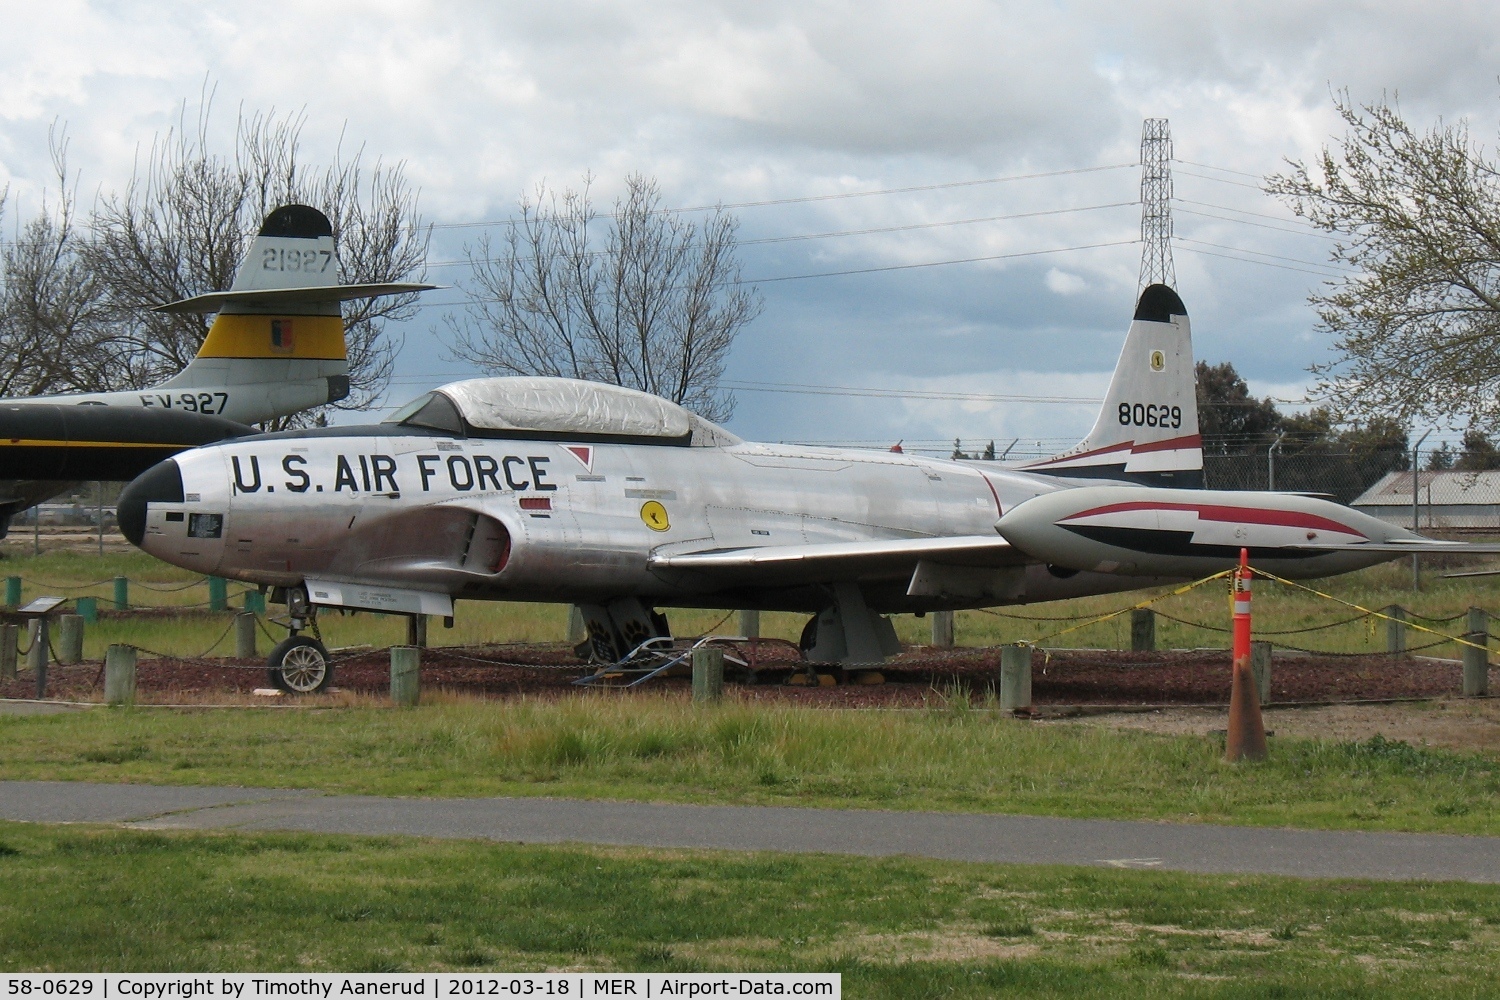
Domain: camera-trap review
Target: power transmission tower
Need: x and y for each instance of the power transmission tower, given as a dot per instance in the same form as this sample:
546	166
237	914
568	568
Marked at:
1156	204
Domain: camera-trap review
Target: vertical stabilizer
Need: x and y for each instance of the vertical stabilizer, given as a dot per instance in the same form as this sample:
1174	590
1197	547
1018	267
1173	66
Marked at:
1147	430
277	343
291	351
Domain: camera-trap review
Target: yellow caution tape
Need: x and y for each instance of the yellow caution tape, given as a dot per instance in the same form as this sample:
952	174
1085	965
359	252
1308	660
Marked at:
1373	614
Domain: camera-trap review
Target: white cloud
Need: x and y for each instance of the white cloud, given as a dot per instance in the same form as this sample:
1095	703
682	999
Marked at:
731	101
1065	282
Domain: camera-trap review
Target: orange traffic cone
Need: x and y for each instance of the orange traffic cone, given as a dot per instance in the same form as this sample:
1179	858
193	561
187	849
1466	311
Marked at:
1247	730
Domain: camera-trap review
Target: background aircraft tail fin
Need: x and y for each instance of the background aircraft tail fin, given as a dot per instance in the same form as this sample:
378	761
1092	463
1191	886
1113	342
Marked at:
1147	430
278	337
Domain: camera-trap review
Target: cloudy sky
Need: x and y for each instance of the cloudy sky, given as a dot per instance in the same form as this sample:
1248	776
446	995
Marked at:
753	102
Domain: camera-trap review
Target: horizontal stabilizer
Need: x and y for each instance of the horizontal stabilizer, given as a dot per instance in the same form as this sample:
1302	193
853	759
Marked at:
1408	547
273	298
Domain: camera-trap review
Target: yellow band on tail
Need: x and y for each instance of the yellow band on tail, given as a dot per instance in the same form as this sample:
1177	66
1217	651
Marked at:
237	335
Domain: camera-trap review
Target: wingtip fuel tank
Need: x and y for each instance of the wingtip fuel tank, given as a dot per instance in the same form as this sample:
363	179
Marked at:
1150	531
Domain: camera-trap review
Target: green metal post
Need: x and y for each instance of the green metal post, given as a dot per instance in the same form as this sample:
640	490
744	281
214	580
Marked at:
218	594
255	602
12	591
122	594
88	608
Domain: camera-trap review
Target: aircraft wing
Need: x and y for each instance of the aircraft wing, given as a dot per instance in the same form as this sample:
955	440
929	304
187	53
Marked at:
892	558
214	301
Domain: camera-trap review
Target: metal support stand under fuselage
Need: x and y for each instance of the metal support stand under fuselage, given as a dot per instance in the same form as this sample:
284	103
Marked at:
850	633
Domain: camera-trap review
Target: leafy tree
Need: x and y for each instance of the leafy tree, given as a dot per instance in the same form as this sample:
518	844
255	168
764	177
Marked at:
1230	419
1440	458
653	302
1479	453
1416	214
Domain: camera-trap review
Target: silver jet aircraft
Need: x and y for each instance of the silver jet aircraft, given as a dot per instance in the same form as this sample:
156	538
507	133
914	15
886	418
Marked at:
546	489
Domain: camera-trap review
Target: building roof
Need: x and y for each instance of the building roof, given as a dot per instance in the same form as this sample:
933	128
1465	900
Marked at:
1447	488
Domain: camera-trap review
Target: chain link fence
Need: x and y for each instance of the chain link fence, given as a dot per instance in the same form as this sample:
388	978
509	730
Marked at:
1341	475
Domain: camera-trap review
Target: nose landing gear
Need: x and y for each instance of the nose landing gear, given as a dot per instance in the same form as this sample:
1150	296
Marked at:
299	664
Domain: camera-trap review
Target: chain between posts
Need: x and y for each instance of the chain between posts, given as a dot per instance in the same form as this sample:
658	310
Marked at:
1177	592
1368	612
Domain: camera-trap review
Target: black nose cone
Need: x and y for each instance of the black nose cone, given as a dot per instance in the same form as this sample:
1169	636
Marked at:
162	483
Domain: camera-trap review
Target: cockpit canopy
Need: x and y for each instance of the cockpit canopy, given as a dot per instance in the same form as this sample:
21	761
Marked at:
558	409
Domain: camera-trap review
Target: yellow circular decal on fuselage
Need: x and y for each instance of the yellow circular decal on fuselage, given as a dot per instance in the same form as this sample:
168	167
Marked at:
655	516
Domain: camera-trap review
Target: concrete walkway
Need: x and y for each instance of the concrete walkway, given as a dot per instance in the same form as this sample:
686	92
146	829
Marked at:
949	836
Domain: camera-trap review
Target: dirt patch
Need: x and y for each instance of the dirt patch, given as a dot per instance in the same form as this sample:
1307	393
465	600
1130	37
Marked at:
920	677
1469	724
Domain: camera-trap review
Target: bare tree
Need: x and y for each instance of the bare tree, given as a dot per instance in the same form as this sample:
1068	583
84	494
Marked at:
53	334
182	225
653	302
1417	216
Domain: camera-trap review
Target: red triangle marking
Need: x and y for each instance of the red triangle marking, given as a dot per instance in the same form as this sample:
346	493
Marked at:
584	454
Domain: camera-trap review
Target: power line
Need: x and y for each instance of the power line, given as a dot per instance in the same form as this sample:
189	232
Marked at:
1210	166
935	263
1259	225
1261	253
808	199
1265	263
846	390
761	241
1222	180
429	304
1245	211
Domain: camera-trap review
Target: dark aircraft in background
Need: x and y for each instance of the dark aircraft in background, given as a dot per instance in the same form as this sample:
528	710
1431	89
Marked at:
275	348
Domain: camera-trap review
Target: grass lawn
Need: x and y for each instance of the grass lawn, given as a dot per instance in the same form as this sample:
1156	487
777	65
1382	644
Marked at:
75	899
662	748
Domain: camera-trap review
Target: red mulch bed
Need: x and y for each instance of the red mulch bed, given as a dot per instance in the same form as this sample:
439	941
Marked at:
1105	677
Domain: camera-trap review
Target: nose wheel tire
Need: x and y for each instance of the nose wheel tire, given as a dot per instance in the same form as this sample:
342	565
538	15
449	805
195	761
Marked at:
299	665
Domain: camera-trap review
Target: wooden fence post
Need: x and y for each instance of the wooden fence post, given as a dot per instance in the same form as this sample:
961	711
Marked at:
942	629
708	674
1395	631
244	635
1015	677
1477	661
750	624
1142	630
406	688
69	639
9	651
1260	665
119	674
